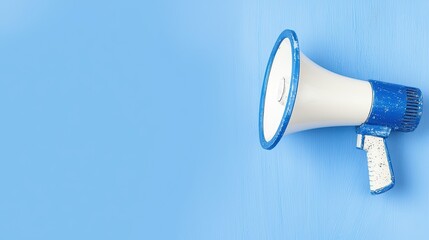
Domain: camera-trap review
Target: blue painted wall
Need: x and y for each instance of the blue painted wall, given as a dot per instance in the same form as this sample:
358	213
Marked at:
138	120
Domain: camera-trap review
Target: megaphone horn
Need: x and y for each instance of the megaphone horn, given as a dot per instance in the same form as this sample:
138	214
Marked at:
298	95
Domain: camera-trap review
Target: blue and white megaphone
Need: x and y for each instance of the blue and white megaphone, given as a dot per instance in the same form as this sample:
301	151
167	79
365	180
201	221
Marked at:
298	95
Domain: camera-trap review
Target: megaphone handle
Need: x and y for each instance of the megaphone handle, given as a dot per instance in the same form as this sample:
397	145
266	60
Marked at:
380	171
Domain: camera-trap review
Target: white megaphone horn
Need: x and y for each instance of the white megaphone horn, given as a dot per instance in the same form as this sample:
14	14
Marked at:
298	95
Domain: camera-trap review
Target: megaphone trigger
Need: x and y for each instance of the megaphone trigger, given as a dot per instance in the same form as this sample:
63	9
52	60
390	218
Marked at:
371	139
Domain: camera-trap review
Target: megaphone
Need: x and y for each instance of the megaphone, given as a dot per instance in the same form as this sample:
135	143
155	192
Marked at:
298	95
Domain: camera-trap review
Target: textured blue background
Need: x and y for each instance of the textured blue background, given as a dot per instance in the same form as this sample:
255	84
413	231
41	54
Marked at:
138	120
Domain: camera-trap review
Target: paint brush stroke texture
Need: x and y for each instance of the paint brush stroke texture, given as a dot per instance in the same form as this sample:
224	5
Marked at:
139	120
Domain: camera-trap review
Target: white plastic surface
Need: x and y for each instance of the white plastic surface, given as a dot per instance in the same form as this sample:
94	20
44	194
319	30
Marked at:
277	89
326	99
380	174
